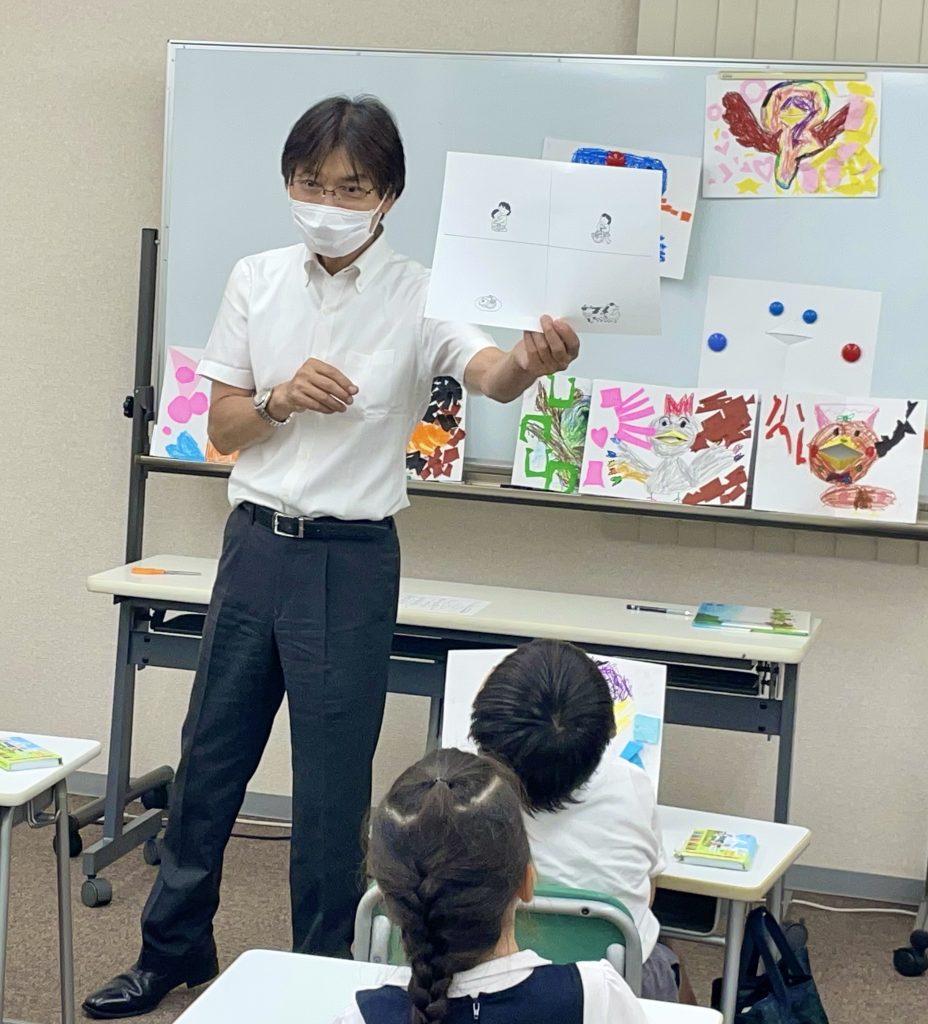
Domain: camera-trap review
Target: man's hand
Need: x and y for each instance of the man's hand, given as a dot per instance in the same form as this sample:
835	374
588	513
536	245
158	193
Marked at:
315	387
549	350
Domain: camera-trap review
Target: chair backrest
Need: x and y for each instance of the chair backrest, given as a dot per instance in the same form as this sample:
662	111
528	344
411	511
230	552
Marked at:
561	924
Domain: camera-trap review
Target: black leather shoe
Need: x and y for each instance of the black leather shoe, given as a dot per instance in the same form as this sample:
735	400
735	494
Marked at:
139	991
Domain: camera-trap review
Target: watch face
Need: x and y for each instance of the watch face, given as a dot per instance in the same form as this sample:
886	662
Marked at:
261	398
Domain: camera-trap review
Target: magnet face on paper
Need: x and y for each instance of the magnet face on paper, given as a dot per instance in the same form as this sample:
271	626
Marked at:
783	336
717	342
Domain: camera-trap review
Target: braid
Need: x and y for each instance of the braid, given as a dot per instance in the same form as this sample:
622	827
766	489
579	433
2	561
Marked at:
431	966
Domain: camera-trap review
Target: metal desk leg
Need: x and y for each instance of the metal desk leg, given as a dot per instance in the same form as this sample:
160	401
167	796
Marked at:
734	937
6	833
790	674
65	934
433	740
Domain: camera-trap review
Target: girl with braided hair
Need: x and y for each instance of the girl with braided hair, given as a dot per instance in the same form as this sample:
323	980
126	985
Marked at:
449	851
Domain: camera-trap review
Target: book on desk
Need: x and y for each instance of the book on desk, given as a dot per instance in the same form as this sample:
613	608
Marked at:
753	620
713	848
19	754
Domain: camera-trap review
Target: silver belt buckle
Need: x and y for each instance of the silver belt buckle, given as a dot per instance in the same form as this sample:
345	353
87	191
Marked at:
275	526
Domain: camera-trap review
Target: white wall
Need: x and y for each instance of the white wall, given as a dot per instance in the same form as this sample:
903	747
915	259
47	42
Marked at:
81	123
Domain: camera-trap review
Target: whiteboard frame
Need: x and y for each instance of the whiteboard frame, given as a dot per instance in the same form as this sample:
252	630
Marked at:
164	234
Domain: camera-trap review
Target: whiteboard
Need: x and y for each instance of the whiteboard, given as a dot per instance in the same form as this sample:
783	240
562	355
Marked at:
230	107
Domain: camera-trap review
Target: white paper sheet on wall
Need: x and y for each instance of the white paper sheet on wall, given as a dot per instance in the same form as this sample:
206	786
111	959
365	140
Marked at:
680	175
519	238
778	336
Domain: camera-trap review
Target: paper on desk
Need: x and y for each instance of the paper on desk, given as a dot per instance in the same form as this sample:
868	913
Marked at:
518	238
439	603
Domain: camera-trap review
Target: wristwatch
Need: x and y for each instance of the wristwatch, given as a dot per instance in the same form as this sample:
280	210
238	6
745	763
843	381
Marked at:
260	400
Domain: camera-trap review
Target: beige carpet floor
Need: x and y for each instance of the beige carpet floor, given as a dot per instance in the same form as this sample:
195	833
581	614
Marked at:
851	953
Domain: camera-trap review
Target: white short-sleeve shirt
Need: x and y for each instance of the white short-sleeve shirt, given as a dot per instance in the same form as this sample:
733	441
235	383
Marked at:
610	841
607	999
279	309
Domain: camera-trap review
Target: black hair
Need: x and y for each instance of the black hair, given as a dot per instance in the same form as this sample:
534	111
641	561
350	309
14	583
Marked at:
501	205
545	711
363	128
608	217
449	851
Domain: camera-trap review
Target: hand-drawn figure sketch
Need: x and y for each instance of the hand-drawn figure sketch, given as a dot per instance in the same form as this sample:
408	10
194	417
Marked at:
499	218
488	303
608	314
603	232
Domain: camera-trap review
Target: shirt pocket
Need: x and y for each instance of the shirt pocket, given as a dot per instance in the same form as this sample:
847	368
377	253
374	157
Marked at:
374	375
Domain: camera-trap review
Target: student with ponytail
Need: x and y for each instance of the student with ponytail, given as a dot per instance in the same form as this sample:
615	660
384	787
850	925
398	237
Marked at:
449	851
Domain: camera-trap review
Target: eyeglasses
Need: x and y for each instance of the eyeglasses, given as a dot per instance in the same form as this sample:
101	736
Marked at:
314	192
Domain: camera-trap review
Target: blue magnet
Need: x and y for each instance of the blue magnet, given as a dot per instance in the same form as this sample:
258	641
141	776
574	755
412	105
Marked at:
810	316
717	341
776	308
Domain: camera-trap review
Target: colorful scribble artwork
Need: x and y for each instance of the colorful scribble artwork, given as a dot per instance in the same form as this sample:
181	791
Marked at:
841	457
638	694
552	433
180	432
687	446
436	447
679	189
794	138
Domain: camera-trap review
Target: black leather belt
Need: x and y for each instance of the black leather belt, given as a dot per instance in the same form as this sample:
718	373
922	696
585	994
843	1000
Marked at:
323	528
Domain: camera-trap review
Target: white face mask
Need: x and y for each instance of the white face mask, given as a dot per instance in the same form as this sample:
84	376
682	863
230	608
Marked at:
333	230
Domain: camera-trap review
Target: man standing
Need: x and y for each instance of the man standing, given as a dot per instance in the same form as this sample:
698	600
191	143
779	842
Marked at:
321	361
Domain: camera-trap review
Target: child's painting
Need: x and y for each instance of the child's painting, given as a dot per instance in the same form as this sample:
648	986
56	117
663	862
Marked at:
435	450
679	188
552	433
638	691
851	458
180	432
795	138
776	336
518	238
689	446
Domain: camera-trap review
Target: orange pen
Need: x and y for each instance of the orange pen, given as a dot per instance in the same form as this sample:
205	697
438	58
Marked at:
147	570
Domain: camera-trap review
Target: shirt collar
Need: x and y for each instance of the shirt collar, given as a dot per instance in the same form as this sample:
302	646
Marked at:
524	960
365	267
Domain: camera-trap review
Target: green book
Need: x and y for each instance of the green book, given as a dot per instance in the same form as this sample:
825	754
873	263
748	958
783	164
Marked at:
753	620
18	754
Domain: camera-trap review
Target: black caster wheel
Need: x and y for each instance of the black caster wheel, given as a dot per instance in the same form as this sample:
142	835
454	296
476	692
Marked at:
96	892
151	851
160	796
75	843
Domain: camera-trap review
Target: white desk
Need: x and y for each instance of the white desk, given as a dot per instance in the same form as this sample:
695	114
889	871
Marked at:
19	792
736	681
778	847
289	988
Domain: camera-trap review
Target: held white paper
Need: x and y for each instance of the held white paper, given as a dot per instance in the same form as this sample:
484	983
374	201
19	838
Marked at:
848	458
180	432
680	176
519	238
774	336
638	690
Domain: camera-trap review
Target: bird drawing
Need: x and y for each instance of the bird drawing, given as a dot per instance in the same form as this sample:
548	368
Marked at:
679	470
794	124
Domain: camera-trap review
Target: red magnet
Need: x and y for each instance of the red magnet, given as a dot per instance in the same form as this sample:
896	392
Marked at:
851	352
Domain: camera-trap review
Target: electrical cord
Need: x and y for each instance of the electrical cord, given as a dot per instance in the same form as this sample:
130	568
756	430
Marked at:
854	910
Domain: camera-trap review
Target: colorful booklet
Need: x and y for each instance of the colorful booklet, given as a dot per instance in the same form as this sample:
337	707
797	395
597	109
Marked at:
753	620
17	754
710	848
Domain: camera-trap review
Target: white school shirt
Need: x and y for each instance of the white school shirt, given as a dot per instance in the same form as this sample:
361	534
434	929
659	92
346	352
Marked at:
607	999
279	309
609	842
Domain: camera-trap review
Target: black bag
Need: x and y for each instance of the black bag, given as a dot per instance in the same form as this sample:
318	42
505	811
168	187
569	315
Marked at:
785	992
